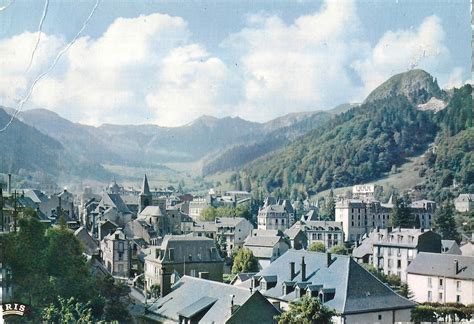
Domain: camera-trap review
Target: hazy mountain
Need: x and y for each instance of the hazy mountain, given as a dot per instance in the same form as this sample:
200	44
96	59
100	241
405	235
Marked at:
24	148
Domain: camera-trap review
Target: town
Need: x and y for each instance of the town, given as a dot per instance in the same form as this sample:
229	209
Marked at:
172	257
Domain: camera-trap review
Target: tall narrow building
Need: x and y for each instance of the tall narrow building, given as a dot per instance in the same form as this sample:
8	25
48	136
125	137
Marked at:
145	195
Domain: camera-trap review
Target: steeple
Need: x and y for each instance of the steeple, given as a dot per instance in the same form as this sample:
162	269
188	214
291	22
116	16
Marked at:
145	198
145	187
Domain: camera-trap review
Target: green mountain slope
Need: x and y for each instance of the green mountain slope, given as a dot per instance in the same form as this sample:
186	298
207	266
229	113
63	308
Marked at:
359	145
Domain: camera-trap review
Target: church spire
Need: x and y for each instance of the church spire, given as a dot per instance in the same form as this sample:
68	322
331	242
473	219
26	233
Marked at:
145	187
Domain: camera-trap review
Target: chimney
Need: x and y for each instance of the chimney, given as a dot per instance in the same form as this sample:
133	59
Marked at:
456	266
292	270
422	230
303	269
328	259
9	184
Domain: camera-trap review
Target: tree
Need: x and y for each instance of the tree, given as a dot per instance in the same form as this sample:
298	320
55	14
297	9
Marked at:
306	310
317	247
244	261
339	249
114	293
67	264
67	311
401	214
445	222
208	214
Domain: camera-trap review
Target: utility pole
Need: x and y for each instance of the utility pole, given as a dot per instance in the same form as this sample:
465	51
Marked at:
15	211
2	219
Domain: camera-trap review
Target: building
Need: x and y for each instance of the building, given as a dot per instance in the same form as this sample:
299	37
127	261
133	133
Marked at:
267	245
393	251
443	278
197	205
338	281
233	230
359	217
467	248
276	215
450	247
184	255
115	250
327	232
464	203
195	300
297	237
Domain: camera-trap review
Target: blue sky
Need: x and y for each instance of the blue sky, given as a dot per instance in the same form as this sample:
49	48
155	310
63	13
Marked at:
168	62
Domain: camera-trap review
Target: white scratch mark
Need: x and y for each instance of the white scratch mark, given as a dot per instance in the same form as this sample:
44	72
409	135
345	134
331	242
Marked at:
5	7
51	67
40	28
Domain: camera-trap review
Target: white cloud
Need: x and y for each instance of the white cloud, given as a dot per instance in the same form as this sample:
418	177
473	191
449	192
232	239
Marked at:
402	50
148	69
299	66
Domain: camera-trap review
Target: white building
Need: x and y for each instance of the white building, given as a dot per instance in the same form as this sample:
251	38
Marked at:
267	245
327	232
443	278
115	249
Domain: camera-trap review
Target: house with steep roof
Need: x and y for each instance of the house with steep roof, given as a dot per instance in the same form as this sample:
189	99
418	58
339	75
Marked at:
338	281
195	300
111	207
115	249
91	246
443	278
467	247
297	237
184	254
450	247
267	245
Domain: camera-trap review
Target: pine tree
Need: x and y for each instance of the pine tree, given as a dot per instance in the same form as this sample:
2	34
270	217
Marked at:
445	223
401	214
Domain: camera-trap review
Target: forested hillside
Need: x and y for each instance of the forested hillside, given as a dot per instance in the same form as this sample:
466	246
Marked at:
242	154
366	142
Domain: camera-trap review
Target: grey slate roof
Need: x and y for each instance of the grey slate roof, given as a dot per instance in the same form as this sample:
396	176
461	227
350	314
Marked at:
440	264
89	244
36	195
114	200
190	295
450	247
151	211
356	290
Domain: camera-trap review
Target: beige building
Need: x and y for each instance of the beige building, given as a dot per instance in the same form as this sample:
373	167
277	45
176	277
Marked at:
464	203
182	255
267	245
359	217
443	278
115	249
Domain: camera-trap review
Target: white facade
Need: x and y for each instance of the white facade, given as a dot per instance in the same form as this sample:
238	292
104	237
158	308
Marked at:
442	289
273	217
464	203
115	250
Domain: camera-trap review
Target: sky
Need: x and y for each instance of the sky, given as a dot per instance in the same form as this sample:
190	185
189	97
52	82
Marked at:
168	62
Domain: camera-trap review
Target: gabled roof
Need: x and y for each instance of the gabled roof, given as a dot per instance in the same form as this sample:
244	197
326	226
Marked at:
89	244
440	264
450	247
114	200
36	195
192	295
151	211
356	289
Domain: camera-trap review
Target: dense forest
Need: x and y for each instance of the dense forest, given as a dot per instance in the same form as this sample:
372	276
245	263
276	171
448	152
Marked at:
365	143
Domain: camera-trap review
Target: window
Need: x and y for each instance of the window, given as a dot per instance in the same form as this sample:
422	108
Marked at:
430	297
458	285
171	254
440	283
430	284
380	317
390	263
458	298
120	268
440	296
399	253
399	264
